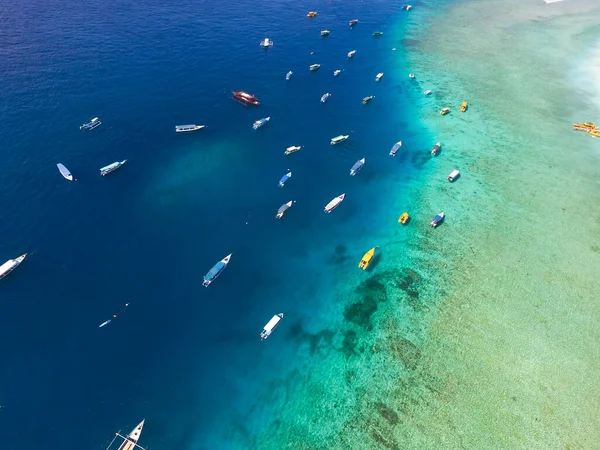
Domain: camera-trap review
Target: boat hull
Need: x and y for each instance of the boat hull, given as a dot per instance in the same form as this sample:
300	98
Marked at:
11	265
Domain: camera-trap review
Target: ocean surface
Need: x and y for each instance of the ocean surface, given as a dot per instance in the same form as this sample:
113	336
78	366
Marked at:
188	359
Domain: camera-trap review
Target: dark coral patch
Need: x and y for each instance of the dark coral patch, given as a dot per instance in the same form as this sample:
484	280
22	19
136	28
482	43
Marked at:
388	413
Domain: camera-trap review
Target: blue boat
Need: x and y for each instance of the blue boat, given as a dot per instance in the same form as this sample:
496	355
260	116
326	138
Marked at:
284	178
437	220
357	166
216	271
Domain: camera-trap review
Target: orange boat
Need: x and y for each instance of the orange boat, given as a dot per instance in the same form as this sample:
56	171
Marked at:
403	218
311	14
245	98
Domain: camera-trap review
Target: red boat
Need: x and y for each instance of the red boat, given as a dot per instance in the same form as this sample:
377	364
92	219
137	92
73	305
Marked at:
245	98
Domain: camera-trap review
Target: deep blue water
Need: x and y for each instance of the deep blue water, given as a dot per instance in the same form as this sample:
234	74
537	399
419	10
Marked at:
188	359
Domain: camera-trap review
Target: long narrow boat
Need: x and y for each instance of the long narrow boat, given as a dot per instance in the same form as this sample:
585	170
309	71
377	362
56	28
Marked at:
325	97
89	126
367	99
111	167
353	22
283	208
188	128
325	33
64	172
351	54
438	219
340	138
216	271
259	123
130	442
436	148
284	178
292	149
314	67
395	148
366	259
288	75
377	33
270	326
334	203
379	76
245	98
11	265
357	166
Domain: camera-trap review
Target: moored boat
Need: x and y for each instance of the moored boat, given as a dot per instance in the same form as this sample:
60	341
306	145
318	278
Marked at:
283	208
453	176
245	98
338	139
406	7
11	265
444	111
353	22
411	76
311	14
270	326
427	92
261	122
292	149
366	259
64	172
324	97
284	178
438	219
111	167
336	72
395	148
367	99
88	126
351	54
377	33
216	270
325	33
266	43
130	442
595	133
357	166
586	126
314	67
436	148
464	106
334	203
379	76
188	128
404	217
288	75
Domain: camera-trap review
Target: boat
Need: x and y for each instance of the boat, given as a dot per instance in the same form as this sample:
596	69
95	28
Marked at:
11	265
379	76
216	271
284	178
270	326
338	139
464	106
314	67
351	54
188	128
353	22
88	126
366	259
395	148
324	97
586	126
436	149
427	92
411	76
378	33
444	111
292	149
259	123
245	98
64	172
438	219
311	14
367	99
325	33
281	211
130	442
334	203
357	166
288	75
454	175
111	167
404	217
595	133
336	72
266	43
406	7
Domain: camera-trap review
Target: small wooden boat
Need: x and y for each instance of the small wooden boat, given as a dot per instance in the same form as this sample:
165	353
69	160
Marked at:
351	54
366	259
325	33
357	166
311	14
404	217
334	203
377	33
444	111
338	139
464	106
188	128
314	67
64	172
111	167
353	22
367	99
292	149
436	149
283	208
379	76
438	219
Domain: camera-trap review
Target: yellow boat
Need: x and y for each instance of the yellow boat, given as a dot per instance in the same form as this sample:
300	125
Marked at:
366	260
444	111
463	107
404	218
311	14
595	133
587	126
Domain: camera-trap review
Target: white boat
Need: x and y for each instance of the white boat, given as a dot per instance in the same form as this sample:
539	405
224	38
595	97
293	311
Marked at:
188	128
288	75
270	326
334	203
336	72
266	43
260	123
427	92
64	172
395	148
111	167
292	149
11	265
130	442
325	33
357	166
283	208
338	139
94	123
379	76
351	54
324	97
454	175
406	7
314	67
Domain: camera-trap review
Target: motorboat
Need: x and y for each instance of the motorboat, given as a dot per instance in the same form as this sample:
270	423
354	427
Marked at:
336	72
245	98
395	148
464	106
325	97
377	33
444	111
259	123
270	326
288	75
379	76
436	148
89	126
292	149
284	178
351	54
314	67
11	265
216	270
357	166
64	172
325	33
353	22
130	442
334	203
311	14
595	133
188	128
406	7
438	219
367	99
404	217
111	167
411	76
427	92
283	208
366	259
338	139
266	43
586	126
453	175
